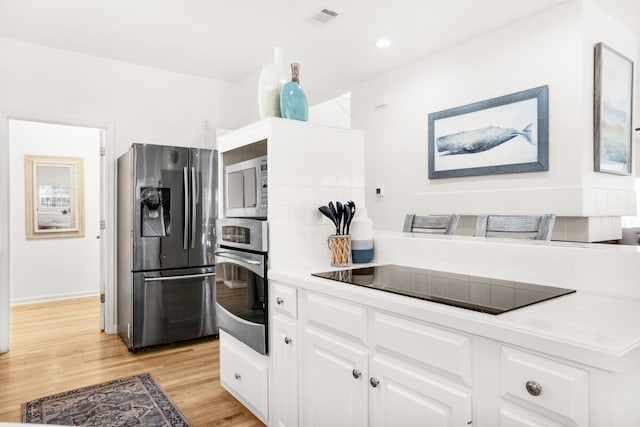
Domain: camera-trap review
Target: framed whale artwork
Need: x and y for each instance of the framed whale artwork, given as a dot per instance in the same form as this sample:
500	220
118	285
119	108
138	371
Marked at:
508	134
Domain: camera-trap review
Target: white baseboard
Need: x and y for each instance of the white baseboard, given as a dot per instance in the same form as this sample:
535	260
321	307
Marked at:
46	298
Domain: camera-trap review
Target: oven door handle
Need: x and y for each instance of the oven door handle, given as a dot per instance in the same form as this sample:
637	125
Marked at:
237	258
169	278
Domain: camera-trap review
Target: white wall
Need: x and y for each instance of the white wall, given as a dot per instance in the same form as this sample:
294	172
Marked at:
546	49
145	104
45	269
334	112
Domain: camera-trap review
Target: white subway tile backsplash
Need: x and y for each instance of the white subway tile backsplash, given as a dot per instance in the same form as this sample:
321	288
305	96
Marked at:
278	215
278	195
299	176
300	195
343	178
329	177
303	215
278	236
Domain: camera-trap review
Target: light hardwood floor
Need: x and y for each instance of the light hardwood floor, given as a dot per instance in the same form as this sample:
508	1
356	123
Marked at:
58	346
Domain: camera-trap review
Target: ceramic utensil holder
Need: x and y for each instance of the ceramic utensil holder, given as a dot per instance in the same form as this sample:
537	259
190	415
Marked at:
340	247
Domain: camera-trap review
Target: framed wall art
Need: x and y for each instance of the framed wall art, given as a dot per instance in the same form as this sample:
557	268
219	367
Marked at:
54	196
612	111
508	134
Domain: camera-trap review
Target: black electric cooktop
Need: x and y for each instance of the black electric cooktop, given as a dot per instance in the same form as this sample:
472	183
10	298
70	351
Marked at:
493	296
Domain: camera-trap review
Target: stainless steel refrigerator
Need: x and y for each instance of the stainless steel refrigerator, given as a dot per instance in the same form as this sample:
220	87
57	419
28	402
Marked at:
166	241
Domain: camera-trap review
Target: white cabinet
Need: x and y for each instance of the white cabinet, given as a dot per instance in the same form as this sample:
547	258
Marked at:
284	353
244	373
404	396
334	378
286	300
363	362
351	380
285	364
544	386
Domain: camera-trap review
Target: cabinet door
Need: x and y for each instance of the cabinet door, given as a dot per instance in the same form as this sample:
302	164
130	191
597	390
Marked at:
402	396
334	381
285	366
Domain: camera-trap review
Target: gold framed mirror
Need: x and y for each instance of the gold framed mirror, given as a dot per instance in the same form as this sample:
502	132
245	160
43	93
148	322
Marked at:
54	195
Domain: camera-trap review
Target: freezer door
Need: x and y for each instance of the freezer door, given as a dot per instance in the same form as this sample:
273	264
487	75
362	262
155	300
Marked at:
160	230
172	306
203	170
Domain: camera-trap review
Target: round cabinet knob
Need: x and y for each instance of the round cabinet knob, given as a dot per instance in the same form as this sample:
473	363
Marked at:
533	388
374	382
356	374
287	340
238	376
279	301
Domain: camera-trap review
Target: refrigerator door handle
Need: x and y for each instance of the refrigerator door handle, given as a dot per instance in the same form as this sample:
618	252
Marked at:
194	199
170	278
185	181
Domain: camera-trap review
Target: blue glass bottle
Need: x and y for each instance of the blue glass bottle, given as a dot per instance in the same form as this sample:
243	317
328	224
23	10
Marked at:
293	101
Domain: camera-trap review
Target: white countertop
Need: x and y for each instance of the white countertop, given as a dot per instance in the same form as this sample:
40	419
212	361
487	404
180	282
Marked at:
597	329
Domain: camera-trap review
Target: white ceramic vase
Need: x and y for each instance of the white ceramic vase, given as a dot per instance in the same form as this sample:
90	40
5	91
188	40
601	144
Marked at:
272	78
361	238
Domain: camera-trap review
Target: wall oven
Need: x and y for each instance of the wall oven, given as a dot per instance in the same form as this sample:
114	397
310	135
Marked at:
241	281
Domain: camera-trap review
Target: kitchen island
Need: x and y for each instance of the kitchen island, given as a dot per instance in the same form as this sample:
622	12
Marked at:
355	356
344	355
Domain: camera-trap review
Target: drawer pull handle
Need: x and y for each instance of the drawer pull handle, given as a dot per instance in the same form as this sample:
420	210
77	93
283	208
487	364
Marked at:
238	376
279	301
356	374
533	388
287	340
374	382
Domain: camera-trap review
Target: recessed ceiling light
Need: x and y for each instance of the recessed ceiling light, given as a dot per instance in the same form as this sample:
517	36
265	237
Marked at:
382	43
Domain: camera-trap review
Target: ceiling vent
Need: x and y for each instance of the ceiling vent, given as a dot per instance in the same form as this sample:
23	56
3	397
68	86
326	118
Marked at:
324	16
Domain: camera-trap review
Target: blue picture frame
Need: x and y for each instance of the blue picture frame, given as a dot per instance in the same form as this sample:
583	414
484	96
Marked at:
507	134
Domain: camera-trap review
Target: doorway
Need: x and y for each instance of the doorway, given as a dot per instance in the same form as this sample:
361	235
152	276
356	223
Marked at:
53	268
99	231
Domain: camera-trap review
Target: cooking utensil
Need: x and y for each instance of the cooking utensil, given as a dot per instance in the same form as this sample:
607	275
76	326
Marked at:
352	209
333	209
340	211
328	212
347	219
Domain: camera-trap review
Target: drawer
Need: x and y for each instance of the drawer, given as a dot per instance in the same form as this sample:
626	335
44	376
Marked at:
285	299
438	348
552	386
340	316
520	418
244	373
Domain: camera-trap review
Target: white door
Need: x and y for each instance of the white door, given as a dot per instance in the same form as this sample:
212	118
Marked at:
334	382
285	366
402	396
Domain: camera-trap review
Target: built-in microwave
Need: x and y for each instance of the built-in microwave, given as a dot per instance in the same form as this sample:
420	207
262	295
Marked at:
245	189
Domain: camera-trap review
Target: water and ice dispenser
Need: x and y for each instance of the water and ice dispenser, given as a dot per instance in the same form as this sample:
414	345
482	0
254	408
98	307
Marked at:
156	211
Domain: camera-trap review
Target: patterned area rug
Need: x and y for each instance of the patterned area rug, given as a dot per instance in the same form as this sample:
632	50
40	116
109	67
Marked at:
132	401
